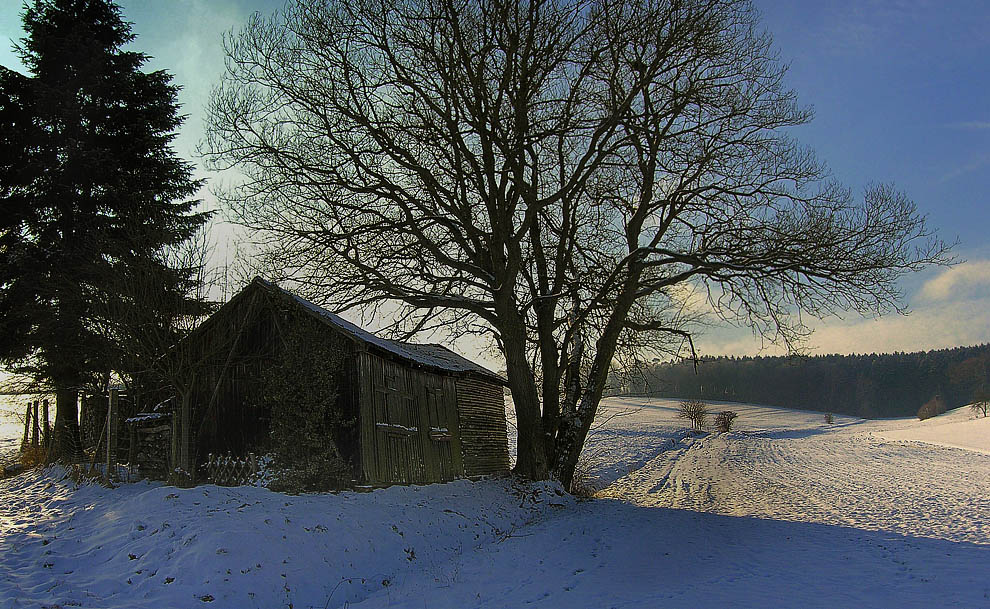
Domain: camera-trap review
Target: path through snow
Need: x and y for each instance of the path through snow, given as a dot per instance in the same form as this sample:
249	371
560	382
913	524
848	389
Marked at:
855	480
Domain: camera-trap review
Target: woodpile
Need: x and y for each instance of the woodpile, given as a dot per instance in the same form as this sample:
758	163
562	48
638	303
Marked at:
484	442
151	441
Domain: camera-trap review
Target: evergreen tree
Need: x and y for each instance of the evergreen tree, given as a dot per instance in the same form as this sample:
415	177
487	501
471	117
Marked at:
99	197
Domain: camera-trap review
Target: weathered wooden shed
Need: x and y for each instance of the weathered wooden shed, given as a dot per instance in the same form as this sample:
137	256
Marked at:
421	413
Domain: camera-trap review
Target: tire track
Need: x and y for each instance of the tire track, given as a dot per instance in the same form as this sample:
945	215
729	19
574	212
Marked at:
850	479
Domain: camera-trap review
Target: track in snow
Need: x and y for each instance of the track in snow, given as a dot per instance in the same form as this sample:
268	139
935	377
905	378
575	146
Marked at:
843	475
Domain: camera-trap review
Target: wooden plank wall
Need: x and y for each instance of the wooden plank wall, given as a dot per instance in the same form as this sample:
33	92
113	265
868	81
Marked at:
481	414
408	424
366	418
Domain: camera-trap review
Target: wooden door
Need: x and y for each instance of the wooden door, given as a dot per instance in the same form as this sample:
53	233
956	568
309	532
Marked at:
398	448
440	437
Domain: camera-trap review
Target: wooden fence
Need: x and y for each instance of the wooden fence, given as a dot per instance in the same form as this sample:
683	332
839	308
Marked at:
37	431
228	470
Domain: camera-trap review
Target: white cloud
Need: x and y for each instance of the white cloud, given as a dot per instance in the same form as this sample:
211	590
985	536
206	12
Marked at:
951	324
863	25
973	125
951	309
935	326
967	280
977	163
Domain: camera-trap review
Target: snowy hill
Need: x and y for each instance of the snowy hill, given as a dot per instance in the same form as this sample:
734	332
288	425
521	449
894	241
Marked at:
959	428
787	511
790	465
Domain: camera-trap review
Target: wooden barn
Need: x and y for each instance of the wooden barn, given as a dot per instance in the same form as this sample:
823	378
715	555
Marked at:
402	413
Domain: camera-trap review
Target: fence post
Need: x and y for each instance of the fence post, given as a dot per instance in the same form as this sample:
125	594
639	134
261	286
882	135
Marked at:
47	429
36	428
27	427
85	425
185	438
112	429
132	450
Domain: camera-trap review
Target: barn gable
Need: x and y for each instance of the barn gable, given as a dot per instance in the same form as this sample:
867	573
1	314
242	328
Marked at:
424	413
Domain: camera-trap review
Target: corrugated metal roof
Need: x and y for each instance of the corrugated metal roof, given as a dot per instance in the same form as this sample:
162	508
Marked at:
431	354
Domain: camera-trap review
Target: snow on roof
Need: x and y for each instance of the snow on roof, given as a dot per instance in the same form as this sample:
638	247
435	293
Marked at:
432	355
147	416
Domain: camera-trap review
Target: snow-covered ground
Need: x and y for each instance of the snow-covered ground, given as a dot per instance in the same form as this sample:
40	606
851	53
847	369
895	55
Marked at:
784	512
790	465
960	428
11	431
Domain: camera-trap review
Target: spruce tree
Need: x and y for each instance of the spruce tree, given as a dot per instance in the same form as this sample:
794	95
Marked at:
99	196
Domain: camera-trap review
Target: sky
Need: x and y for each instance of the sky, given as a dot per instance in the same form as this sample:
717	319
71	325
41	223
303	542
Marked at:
901	92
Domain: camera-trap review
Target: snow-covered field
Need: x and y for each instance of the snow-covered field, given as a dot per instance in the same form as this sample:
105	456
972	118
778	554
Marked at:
11	430
784	512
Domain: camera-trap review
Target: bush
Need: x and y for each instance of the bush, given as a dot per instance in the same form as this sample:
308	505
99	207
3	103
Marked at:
695	411
829	418
724	420
931	408
301	391
582	482
981	403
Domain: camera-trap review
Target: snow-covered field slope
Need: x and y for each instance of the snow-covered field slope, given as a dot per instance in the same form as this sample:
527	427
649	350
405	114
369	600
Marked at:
785	512
11	431
142	545
956	429
790	465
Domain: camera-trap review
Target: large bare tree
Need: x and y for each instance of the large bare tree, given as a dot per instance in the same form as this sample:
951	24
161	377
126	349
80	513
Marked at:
565	177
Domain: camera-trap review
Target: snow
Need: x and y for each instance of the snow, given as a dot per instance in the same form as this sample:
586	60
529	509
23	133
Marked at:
797	468
959	428
146	545
786	510
142	417
11	432
397	427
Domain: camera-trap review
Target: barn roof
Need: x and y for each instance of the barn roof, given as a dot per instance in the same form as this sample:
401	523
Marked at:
430	355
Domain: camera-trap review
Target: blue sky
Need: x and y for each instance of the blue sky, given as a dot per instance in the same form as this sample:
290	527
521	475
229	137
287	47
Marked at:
901	90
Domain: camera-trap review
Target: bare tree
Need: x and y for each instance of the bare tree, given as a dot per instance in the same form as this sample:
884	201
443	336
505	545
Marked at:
725	420
981	403
577	181
695	411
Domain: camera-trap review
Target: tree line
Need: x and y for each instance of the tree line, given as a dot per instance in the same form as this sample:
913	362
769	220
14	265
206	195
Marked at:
870	386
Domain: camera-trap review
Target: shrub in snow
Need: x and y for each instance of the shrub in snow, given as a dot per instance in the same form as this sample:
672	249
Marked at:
724	420
583	482
301	390
931	408
695	411
981	403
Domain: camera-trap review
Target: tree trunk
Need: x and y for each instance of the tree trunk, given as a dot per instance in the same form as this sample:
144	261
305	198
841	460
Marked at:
576	423
571	436
531	453
65	434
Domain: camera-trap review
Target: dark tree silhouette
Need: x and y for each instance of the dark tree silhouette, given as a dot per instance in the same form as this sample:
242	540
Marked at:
97	195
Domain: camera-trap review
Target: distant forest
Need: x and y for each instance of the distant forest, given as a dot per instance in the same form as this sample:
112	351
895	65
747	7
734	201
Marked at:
871	386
